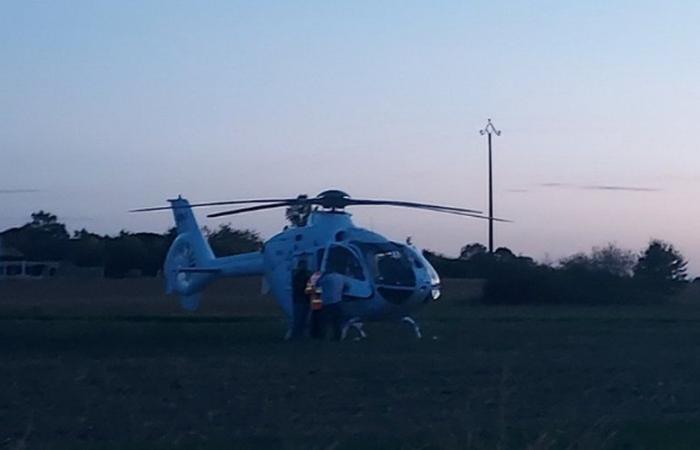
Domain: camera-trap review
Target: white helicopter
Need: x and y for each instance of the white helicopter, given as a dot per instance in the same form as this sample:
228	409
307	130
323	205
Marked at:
383	279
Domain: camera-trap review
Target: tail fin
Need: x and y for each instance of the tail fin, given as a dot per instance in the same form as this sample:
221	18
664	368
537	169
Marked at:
184	218
188	263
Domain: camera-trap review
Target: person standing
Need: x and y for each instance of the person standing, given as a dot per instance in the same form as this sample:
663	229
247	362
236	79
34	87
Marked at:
332	286
313	290
300	300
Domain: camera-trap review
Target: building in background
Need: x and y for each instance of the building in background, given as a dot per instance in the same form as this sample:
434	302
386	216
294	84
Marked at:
13	265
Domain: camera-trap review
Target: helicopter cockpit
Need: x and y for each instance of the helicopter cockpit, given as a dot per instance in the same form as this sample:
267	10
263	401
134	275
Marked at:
385	263
387	267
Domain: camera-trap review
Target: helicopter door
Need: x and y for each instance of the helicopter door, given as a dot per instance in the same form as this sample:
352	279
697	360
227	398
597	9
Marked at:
343	260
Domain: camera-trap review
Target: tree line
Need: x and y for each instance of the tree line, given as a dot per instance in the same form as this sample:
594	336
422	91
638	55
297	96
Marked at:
606	274
44	238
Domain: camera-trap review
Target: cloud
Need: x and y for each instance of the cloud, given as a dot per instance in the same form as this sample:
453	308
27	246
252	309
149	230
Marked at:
18	191
620	188
556	185
601	187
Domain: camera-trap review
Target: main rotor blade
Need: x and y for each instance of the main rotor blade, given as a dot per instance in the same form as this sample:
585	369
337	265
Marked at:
455	211
352	201
222	203
252	208
476	216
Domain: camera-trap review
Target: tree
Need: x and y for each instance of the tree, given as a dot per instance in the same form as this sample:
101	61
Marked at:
227	241
170	236
609	259
661	267
86	249
124	254
504	254
613	260
469	251
44	238
155	248
577	261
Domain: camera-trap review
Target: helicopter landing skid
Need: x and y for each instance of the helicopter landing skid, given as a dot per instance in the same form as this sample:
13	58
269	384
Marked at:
357	324
416	329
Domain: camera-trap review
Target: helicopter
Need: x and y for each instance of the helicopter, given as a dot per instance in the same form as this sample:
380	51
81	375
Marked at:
383	279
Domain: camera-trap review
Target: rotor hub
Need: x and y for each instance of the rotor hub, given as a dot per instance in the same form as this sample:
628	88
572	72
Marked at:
333	199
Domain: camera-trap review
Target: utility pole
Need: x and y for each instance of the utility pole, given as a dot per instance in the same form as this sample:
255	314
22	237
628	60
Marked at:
488	130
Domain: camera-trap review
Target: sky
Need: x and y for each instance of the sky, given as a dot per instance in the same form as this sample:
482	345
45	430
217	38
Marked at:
110	105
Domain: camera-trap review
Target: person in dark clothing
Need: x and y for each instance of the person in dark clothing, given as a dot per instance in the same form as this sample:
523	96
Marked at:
300	300
332	286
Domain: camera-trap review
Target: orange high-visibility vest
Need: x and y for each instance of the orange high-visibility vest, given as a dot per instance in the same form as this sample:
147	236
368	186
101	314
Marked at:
314	291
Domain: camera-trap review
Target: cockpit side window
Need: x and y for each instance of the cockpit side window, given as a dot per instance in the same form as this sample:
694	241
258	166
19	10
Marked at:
344	262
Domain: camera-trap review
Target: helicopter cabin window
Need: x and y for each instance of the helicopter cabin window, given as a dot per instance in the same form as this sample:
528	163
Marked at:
341	260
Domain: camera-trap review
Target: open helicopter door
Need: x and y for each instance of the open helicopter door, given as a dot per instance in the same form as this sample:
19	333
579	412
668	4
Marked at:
345	261
294	261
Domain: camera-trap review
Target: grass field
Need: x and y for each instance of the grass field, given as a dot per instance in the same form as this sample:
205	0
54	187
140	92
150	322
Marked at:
114	364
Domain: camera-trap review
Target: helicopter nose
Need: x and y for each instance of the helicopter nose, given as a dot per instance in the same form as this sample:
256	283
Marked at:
430	293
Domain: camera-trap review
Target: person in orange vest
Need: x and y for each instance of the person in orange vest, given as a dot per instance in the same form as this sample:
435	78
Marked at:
313	290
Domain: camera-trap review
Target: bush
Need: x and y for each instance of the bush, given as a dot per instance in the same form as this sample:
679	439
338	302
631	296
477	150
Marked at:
520	284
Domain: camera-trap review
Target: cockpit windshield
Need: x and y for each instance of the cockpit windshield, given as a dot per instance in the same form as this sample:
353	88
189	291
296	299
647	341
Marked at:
389	263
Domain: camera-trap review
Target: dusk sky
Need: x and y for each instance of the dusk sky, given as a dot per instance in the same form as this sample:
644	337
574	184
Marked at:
108	106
